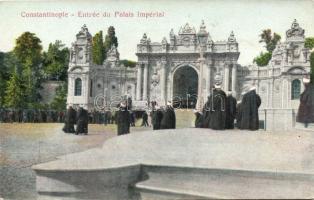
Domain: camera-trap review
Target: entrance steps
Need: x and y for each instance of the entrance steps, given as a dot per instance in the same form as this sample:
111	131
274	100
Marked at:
191	183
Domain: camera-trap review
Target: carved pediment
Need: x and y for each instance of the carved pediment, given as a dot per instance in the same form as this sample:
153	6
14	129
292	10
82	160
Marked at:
296	71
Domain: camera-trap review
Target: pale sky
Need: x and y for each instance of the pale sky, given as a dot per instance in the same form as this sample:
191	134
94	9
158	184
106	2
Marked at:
246	18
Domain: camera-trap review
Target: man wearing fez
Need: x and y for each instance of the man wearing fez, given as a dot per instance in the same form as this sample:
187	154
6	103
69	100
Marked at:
82	121
217	108
168	120
231	107
249	110
123	119
70	120
306	108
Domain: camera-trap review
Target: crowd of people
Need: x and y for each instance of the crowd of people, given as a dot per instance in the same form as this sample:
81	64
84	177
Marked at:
222	110
31	116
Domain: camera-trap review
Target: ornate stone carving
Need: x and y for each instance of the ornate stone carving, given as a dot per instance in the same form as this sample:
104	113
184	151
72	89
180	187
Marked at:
187	29
155	78
295	31
232	38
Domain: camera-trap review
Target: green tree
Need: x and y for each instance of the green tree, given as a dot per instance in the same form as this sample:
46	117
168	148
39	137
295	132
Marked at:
98	51
14	95
110	39
59	101
263	59
270	41
128	63
28	53
309	43
56	61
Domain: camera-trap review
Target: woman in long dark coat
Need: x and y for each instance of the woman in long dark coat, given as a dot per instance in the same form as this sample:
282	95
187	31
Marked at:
231	107
168	120
249	110
156	118
218	109
82	121
70	120
123	120
306	108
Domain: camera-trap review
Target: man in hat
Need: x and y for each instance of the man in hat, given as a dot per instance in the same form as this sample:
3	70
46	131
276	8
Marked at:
249	110
306	108
231	106
123	119
168	120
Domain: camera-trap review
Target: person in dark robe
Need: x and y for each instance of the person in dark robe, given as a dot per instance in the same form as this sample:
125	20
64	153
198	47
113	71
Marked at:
82	121
306	108
132	119
249	110
70	120
218	108
199	119
238	115
168	120
145	119
123	120
231	109
206	114
156	118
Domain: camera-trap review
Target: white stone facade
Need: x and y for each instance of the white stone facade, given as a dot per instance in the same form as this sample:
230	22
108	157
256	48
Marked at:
158	63
90	84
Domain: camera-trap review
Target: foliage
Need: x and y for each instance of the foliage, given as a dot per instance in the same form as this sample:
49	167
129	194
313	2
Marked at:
28	53
309	42
55	61
128	63
262	59
14	97
312	67
270	41
110	39
98	52
59	101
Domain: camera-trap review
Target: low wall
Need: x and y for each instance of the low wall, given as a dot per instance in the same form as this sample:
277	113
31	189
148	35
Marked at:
277	119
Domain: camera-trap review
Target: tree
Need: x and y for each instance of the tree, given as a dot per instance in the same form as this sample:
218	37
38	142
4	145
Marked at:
28	53
110	39
263	59
14	97
270	41
55	61
59	101
98	51
128	63
309	42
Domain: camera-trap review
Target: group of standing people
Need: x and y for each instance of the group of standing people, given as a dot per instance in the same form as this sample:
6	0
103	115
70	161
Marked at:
78	118
221	110
31	115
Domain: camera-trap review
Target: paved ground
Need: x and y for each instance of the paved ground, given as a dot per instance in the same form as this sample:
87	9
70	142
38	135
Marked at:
23	145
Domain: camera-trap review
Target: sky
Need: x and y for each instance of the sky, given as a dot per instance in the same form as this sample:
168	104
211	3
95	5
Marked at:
247	18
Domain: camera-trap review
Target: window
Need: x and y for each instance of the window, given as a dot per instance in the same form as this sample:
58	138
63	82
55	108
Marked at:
295	89
78	87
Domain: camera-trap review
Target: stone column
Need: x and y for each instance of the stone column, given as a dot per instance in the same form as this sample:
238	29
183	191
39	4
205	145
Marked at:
208	79
145	83
226	78
234	80
163	83
139	82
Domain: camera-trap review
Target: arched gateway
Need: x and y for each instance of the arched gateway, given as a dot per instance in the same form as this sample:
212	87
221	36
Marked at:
186	64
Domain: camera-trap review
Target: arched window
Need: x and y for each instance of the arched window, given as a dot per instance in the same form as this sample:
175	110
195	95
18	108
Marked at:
295	89
78	87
